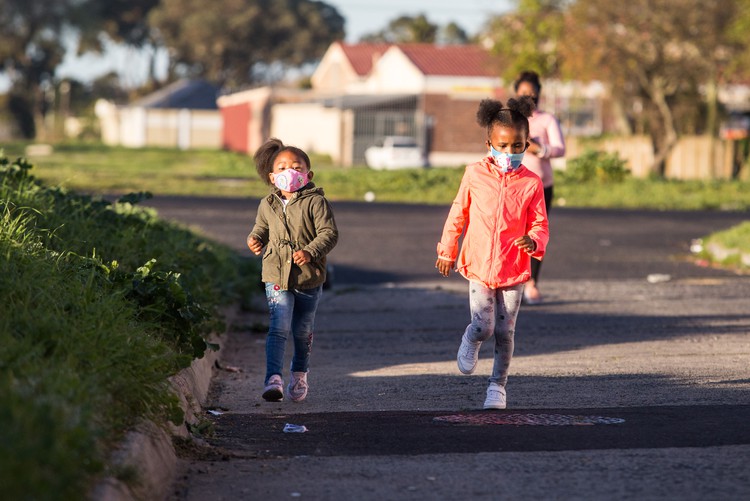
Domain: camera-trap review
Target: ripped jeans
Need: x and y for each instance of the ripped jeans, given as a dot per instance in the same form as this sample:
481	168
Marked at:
494	311
292	311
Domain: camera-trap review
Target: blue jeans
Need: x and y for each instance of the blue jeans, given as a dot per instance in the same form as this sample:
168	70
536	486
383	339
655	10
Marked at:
292	311
494	311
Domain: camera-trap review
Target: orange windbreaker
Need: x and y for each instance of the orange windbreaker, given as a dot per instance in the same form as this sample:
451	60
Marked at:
495	209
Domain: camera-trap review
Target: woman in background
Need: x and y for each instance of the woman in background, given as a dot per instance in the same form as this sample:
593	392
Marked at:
545	142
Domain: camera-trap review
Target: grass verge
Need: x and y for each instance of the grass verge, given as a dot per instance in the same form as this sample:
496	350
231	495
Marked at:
101	303
595	181
729	248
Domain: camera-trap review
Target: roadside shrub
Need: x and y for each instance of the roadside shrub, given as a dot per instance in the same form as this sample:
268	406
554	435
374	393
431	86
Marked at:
596	166
100	303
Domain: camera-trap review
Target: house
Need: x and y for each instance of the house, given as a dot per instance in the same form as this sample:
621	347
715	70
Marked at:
368	91
245	120
364	92
183	114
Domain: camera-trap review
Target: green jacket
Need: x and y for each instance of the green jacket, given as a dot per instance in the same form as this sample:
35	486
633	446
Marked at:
306	223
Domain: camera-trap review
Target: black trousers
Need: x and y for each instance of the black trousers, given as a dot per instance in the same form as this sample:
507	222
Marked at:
536	264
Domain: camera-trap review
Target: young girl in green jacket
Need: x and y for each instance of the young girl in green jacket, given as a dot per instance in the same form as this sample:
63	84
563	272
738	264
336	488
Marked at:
296	226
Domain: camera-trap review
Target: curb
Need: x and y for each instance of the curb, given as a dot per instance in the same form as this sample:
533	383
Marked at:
148	450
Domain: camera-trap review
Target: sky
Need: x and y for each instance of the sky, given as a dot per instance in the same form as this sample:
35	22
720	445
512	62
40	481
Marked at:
368	16
361	17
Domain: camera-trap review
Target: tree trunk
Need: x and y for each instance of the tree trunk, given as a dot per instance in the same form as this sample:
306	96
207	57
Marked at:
712	119
620	118
664	143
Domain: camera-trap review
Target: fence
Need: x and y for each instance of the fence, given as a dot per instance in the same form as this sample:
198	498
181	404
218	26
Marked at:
694	157
175	128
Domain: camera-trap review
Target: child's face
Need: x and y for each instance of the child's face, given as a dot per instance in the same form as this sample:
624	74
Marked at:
289	160
508	139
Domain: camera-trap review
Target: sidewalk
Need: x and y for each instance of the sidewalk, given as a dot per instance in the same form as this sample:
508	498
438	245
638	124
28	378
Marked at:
664	357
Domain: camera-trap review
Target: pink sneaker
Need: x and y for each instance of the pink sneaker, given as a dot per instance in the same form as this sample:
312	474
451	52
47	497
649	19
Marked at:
274	390
298	386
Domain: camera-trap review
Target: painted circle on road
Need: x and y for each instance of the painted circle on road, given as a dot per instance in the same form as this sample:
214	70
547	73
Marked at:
526	419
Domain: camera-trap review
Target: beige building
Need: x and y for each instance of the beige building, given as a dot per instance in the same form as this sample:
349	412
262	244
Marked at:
182	115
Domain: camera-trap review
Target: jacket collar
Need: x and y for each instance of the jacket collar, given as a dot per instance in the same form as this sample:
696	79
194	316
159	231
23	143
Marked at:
490	165
305	191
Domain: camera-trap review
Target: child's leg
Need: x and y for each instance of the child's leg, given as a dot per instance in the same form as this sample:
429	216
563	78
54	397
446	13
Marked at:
482	306
303	323
508	304
281	305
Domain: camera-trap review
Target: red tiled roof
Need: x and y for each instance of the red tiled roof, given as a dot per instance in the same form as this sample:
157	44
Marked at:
446	60
362	55
450	60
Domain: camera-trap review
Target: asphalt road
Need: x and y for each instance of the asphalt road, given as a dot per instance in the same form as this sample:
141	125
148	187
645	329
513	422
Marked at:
382	243
619	388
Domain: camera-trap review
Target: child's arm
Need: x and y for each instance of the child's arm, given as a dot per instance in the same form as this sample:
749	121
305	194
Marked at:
537	226
447	248
258	237
326	234
255	245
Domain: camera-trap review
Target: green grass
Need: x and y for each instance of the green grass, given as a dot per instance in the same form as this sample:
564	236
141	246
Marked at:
101	303
98	169
734	242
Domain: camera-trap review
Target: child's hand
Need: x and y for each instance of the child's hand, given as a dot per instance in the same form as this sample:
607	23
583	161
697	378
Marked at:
525	243
255	245
301	257
444	267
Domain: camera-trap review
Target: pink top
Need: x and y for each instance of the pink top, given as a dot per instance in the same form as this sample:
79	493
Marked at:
494	209
544	129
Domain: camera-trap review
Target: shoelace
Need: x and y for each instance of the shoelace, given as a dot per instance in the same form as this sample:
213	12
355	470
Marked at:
299	385
470	351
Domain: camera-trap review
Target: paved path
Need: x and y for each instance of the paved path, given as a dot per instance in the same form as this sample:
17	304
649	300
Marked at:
620	388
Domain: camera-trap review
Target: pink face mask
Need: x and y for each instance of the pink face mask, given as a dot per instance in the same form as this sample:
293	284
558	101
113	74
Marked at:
290	180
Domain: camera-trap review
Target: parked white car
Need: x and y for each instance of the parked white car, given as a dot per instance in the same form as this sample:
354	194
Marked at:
396	152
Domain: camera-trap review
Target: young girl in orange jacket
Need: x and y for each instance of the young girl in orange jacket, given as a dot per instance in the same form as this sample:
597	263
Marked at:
500	211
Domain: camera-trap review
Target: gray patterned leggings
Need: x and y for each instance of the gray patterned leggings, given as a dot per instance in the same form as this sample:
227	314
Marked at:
494	311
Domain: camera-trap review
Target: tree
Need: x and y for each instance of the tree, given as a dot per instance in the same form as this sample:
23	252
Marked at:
405	29
226	40
30	52
660	53
33	34
452	34
528	38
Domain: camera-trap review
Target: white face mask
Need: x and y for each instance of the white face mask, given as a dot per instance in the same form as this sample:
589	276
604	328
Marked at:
290	180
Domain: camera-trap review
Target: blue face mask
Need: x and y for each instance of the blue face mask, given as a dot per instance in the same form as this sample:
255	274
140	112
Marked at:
507	161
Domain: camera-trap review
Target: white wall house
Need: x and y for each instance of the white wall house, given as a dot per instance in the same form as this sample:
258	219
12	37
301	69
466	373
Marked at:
182	115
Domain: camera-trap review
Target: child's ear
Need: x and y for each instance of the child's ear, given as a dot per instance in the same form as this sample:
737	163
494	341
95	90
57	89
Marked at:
310	175
271	176
527	146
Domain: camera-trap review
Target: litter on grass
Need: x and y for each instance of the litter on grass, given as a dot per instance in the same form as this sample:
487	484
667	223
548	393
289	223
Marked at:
294	428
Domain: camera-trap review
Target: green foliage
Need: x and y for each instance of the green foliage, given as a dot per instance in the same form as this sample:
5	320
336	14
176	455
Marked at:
596	166
225	40
737	237
528	39
89	334
406	29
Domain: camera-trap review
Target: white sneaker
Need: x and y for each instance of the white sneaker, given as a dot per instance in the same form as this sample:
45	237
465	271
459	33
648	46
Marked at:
298	386
468	355
274	390
495	397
